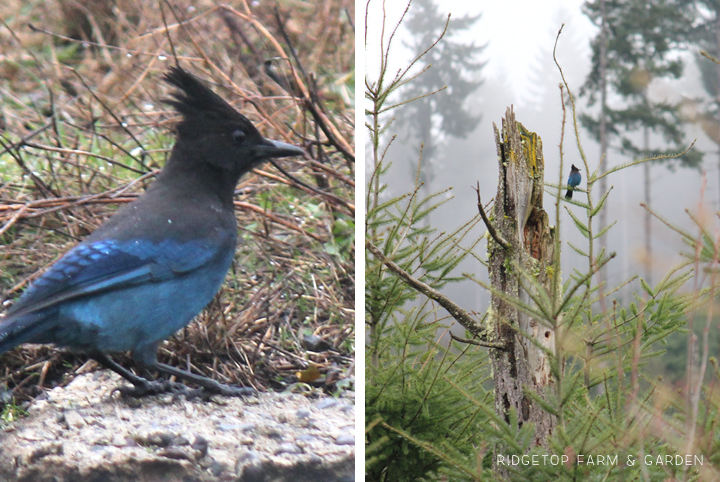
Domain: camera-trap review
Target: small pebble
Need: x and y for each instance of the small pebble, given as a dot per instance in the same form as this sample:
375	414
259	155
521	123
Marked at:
74	419
175	453
217	468
54	448
345	439
180	440
201	445
302	413
160	439
288	448
326	403
247	462
273	433
229	427
248	457
306	438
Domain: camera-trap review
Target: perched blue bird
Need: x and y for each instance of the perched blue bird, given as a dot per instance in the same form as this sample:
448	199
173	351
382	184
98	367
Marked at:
573	181
157	262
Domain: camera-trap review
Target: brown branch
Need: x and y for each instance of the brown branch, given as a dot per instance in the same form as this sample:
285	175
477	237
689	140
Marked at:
107	108
455	311
43	207
329	170
289	182
310	101
278	220
79	152
491	229
327	195
12	149
499	346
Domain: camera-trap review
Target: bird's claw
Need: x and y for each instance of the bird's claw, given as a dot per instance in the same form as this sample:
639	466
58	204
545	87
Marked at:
150	388
242	392
160	387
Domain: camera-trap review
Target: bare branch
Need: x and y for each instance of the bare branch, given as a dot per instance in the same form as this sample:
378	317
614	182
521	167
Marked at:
455	311
486	344
491	229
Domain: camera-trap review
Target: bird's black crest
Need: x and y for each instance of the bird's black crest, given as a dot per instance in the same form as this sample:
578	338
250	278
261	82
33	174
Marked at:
196	102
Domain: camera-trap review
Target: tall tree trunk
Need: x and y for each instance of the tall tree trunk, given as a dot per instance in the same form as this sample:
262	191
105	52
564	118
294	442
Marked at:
717	83
523	224
603	127
648	217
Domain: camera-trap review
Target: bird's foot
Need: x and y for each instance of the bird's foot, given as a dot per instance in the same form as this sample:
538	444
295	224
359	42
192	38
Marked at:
228	391
206	393
208	385
161	387
150	388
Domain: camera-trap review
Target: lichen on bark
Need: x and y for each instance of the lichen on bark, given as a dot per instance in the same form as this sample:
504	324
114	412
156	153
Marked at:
519	219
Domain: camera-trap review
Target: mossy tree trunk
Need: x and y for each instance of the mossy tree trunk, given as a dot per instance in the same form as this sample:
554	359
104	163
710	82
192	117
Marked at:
521	222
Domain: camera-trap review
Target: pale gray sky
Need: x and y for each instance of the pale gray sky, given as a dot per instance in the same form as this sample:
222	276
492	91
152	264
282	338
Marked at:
514	31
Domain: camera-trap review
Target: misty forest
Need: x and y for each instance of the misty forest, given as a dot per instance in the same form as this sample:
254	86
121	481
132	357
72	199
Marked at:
522	325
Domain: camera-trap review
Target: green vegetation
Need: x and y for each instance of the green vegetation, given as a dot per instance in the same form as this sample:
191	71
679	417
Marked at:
431	412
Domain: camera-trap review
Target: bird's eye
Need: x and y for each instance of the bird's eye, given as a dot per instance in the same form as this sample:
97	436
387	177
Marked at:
238	136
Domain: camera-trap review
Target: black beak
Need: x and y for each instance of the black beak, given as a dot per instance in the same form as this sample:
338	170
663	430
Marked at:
270	149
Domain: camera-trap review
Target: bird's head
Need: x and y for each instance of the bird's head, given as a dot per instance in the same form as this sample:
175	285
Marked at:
573	168
212	131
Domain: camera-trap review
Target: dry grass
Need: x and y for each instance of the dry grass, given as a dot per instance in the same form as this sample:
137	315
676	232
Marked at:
84	130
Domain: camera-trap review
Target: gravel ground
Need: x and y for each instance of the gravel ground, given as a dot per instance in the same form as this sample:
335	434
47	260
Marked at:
85	432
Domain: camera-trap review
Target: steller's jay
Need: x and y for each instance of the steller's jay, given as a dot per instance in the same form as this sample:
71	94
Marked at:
156	263
573	181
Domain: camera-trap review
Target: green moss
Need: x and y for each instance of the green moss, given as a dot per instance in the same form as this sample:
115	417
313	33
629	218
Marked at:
529	142
533	266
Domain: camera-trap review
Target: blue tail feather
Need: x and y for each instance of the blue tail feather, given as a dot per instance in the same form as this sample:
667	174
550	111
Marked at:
16	330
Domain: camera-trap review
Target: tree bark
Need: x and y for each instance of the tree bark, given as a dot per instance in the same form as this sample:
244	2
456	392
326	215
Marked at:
648	216
519	219
603	128
717	79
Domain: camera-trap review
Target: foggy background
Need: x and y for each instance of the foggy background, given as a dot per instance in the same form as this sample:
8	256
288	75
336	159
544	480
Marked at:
518	37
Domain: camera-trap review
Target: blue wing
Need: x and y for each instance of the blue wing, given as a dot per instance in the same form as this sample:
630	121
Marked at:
111	264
